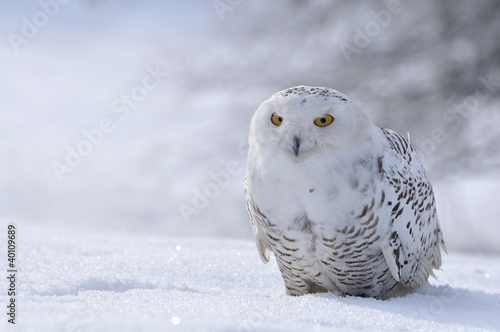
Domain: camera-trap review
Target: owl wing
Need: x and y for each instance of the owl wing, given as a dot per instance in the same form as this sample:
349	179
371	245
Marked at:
412	249
256	219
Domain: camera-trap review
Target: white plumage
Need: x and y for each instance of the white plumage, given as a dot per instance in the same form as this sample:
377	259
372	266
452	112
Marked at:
345	206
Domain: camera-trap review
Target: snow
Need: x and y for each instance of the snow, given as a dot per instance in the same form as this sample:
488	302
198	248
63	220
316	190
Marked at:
85	280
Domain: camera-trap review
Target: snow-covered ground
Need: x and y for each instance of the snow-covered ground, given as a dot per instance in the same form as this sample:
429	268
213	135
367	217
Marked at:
83	280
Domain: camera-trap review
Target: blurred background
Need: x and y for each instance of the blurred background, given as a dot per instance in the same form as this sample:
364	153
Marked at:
134	116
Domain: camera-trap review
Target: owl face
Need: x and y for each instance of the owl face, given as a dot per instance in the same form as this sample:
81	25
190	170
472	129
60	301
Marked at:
307	120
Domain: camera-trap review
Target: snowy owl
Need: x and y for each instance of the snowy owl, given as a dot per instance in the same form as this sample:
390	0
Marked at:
344	206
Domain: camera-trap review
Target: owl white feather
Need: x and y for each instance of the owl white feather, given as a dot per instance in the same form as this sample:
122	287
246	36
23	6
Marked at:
344	206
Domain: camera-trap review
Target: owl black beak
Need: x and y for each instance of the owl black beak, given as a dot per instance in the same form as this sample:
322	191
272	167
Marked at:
296	145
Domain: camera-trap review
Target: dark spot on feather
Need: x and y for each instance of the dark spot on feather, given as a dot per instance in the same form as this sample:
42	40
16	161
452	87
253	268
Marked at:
365	209
369	220
380	167
290	249
395	208
372	204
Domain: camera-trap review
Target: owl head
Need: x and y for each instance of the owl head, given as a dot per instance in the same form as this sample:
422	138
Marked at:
305	120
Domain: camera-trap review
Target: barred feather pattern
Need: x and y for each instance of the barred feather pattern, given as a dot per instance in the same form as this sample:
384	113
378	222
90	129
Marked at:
358	226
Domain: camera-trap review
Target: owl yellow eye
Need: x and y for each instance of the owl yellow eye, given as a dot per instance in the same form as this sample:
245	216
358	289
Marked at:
323	121
276	120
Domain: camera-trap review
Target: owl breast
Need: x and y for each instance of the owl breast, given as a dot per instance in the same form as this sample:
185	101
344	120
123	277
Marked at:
326	231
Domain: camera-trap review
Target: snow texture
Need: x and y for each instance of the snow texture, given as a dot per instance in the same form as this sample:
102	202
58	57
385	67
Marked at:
91	281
